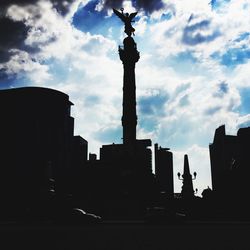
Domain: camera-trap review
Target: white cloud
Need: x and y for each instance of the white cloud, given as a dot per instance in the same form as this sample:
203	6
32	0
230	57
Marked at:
22	64
141	26
74	7
83	54
234	20
128	7
240	75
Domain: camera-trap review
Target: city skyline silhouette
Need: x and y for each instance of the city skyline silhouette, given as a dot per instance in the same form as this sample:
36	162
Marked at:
174	83
67	176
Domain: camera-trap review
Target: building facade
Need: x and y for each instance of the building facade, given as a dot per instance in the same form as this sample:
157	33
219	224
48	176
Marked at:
164	170
36	132
230	161
223	152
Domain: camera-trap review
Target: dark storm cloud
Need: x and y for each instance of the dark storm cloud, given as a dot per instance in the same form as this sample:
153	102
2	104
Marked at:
61	6
147	5
14	33
12	36
109	4
4	4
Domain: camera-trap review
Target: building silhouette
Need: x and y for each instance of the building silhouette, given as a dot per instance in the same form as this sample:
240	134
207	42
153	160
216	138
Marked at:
230	159
36	130
222	153
164	170
78	164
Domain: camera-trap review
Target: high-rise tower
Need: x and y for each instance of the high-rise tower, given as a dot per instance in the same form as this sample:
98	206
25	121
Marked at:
164	170
129	56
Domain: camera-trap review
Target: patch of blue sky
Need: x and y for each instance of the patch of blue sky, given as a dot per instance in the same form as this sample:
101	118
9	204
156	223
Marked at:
233	57
242	37
87	19
222	89
244	108
246	6
63	72
153	104
147	123
144	45
184	135
13	80
244	125
186	56
59	69
164	17
217	4
181	88
91	100
183	63
184	101
109	135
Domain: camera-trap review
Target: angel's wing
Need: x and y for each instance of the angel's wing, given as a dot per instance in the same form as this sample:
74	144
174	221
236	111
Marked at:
119	14
132	15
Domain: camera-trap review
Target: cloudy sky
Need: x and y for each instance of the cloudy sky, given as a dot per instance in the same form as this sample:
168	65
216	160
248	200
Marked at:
193	74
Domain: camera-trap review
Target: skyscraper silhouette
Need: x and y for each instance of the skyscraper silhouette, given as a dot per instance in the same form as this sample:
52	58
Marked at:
36	133
164	170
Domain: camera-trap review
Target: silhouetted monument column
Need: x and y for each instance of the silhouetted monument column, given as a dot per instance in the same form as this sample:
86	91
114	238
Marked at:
129	56
187	180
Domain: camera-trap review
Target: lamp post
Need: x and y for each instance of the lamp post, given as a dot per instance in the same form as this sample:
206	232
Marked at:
181	177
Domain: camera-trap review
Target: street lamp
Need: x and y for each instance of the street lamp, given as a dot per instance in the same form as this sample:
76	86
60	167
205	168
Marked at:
179	176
